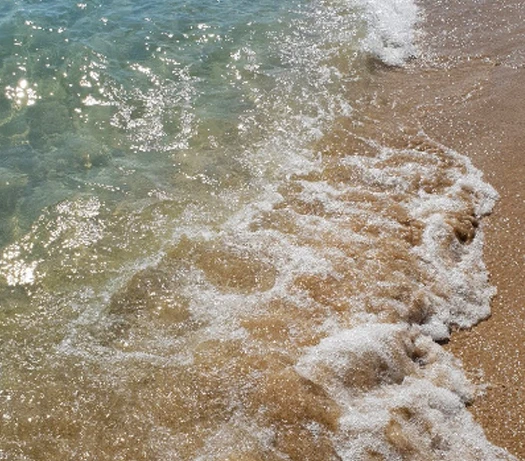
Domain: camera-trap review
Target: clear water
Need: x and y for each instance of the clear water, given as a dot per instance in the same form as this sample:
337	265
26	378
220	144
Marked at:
207	250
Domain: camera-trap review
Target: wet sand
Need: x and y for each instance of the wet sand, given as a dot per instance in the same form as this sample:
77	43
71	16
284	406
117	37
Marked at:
488	124
467	91
495	140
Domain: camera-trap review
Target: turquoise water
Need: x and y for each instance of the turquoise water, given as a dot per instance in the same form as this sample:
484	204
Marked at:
122	103
207	250
124	98
124	125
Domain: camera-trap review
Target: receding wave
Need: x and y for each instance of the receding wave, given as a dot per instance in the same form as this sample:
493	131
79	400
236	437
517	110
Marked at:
211	253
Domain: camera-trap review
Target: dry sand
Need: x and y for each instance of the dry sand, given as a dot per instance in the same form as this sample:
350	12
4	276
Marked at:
467	92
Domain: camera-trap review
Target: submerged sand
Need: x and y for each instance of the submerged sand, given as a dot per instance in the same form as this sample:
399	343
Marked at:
467	92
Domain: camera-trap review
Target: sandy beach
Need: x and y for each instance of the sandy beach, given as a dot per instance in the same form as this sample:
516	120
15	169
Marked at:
235	232
467	92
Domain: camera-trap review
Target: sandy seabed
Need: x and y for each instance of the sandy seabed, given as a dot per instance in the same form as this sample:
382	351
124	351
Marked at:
467	91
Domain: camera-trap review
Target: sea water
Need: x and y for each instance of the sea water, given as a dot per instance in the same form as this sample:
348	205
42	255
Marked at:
210	250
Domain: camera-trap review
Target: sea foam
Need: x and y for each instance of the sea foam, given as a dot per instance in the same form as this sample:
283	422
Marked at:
392	29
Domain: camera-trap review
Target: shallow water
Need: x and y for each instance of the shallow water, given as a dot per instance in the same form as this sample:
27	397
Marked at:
210	248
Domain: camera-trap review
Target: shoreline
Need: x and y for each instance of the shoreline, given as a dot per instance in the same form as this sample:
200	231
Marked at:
493	350
194	354
495	347
487	124
466	92
469	98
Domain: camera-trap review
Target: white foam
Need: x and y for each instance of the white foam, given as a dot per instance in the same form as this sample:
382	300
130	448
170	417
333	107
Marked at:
456	266
438	424
416	405
391	29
